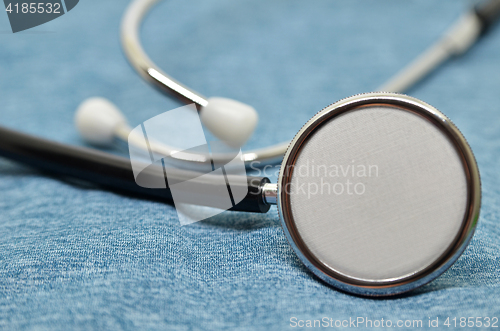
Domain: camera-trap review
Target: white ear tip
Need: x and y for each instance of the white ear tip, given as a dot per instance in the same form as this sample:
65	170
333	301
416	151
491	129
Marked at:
96	119
229	120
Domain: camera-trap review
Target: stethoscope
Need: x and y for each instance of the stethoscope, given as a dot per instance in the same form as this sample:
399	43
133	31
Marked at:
408	199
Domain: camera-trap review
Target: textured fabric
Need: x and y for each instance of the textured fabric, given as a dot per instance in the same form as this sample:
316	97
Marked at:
75	257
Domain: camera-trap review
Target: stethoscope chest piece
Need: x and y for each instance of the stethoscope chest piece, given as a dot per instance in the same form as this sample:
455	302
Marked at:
378	194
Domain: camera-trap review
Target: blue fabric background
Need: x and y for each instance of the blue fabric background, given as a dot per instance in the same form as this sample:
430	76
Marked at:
74	257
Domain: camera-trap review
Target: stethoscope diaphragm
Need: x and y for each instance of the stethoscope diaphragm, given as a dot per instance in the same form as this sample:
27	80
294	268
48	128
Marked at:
378	194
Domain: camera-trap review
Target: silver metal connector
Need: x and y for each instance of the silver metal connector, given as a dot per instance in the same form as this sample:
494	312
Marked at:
270	193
